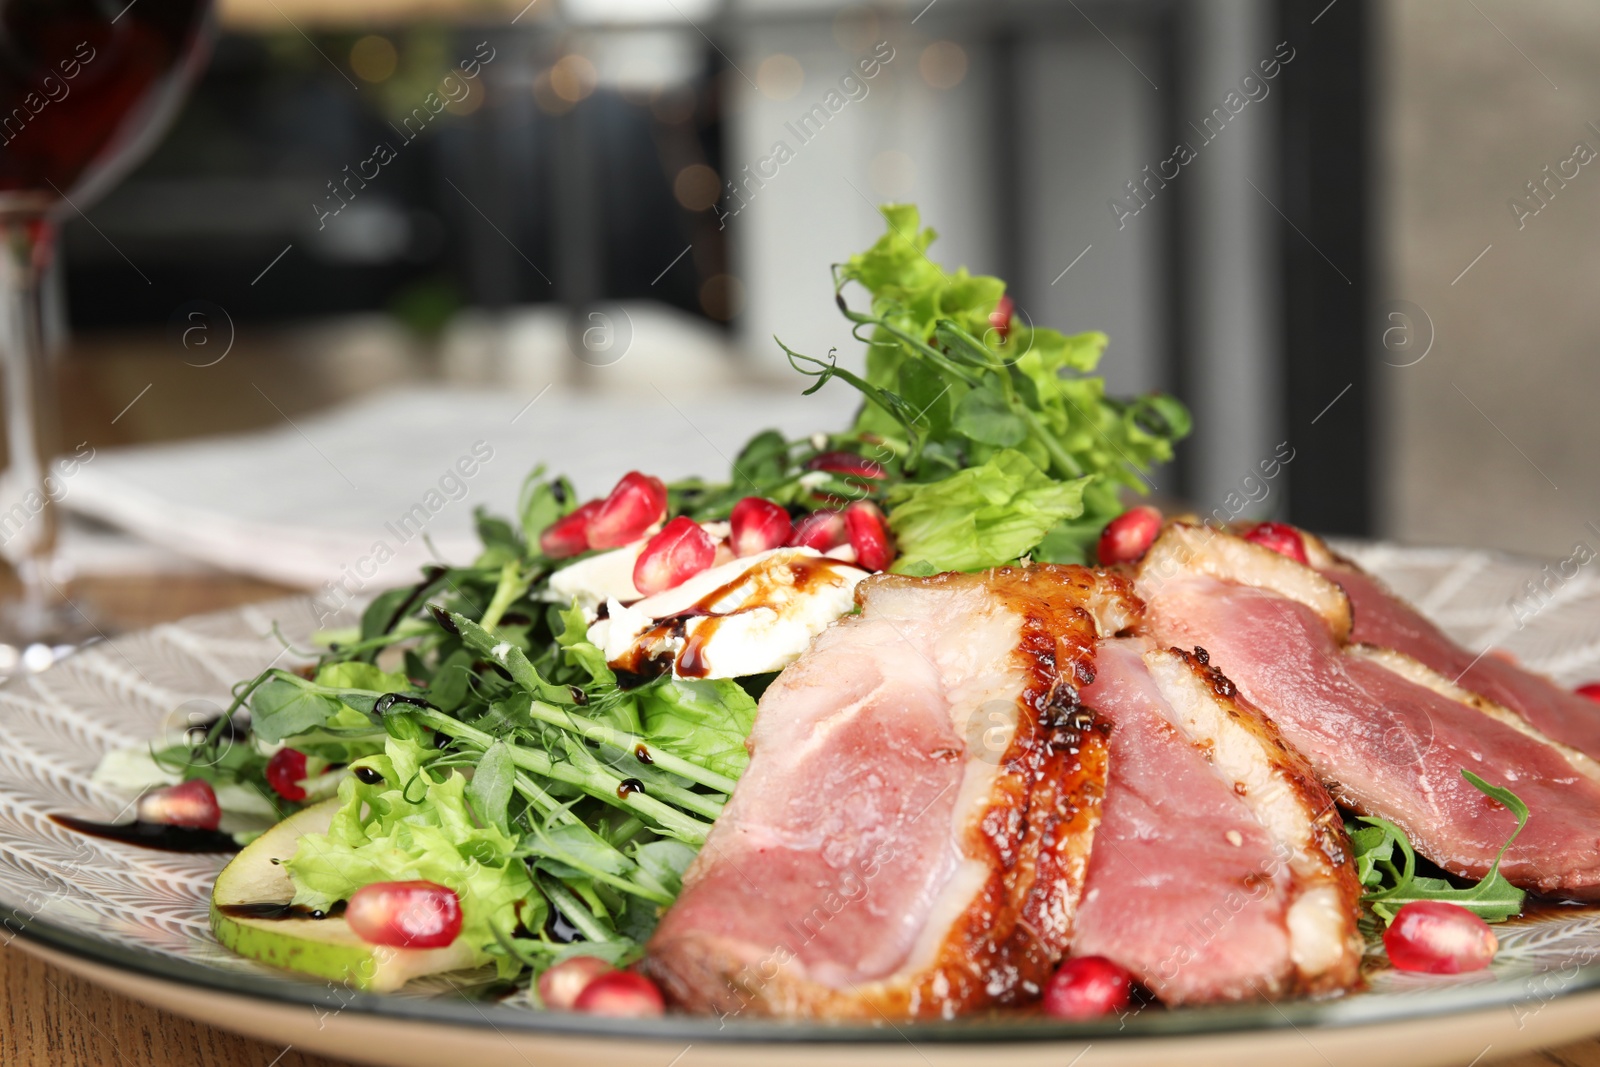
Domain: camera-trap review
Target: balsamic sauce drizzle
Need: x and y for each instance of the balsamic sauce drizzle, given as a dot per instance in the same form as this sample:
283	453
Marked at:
156	835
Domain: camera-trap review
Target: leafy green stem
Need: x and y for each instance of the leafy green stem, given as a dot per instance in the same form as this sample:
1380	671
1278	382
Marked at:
596	781
512	584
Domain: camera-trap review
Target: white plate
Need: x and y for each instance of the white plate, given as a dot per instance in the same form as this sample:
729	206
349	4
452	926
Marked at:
136	920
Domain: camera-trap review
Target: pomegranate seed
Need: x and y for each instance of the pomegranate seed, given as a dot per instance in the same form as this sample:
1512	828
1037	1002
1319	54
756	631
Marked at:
1282	538
636	503
821	530
405	914
569	535
192	804
285	771
1592	691
847	463
758	524
622	994
1087	987
1436	937
560	986
1000	317
679	552
869	535
1128	537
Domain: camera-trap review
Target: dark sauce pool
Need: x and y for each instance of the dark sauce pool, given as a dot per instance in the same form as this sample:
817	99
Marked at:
275	910
154	835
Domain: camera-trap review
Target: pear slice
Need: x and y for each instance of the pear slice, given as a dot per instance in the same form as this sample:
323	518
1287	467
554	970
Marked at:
255	881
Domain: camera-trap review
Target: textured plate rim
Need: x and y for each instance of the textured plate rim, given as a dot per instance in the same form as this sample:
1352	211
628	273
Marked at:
1350	1011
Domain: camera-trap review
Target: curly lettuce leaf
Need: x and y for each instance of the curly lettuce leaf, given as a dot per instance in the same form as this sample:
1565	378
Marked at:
980	517
417	825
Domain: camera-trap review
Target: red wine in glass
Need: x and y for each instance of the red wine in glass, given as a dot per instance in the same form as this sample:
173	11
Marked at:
86	86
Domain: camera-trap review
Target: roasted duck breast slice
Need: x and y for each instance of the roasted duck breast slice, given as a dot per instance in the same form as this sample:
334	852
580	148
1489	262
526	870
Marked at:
1387	735
1220	870
911	836
1383	619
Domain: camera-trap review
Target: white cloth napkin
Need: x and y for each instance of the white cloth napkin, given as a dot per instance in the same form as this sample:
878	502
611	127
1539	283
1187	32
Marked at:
346	496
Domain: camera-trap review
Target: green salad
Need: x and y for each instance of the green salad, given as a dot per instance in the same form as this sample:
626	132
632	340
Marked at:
469	734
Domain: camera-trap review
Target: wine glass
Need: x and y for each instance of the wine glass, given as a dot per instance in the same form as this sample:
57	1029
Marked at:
86	87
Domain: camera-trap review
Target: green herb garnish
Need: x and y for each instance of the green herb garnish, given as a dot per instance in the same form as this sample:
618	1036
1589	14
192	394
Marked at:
1393	884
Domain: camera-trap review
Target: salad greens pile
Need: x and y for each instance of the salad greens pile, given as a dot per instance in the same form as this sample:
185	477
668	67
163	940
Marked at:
997	439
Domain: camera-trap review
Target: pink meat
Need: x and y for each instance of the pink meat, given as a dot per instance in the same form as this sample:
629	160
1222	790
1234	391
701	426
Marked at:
911	836
1381	618
1389	747
1185	889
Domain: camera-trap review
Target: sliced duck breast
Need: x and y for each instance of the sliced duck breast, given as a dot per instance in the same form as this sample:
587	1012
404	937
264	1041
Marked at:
1220	868
911	836
1383	619
1389	736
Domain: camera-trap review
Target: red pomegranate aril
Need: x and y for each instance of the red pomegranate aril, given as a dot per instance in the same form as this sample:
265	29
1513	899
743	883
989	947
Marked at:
569	535
681	550
285	771
821	530
869	535
1436	937
847	463
623	995
192	804
1000	317
1128	537
758	524
1282	538
637	503
1087	987
560	986
1591	690
405	914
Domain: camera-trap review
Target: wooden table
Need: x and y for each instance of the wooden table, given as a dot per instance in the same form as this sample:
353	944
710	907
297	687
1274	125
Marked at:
50	1018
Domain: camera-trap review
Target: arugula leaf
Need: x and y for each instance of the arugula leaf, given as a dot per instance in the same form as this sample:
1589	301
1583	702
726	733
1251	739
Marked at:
283	706
502	543
980	517
490	788
542	502
1394	884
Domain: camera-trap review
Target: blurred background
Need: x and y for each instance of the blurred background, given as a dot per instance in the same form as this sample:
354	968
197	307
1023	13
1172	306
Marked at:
1354	232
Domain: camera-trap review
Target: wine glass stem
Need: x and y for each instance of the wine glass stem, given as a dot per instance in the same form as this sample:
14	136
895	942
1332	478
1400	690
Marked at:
27	519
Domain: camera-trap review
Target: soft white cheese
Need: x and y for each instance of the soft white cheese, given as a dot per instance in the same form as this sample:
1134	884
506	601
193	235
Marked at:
760	622
593	581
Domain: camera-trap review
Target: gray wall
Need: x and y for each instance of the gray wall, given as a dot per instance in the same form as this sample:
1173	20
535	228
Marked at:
1492	438
1089	119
